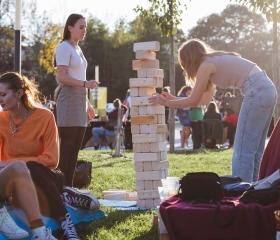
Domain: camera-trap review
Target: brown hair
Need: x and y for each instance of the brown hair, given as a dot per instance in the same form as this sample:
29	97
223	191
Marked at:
212	107
193	52
117	103
16	81
184	90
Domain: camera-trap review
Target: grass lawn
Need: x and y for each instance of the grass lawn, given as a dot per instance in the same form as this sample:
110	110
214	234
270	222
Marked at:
118	173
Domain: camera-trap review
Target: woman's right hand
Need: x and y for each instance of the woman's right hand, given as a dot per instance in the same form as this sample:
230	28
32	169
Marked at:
91	84
168	96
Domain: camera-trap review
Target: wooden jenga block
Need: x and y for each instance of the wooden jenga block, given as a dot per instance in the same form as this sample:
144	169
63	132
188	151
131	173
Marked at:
159	83
134	92
143	82
145	63
148	194
142	110
148	185
134	111
137	147
139	101
149	203
148	138
141	203
144	128
155	109
140	185
149	157
150	73
139	166
156	202
150	46
157	128
148	119
160	119
146	91
147	166
158	147
145	54
160	165
135	129
150	175
157	184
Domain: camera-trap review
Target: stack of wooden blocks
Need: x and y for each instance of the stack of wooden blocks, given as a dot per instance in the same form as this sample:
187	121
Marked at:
148	126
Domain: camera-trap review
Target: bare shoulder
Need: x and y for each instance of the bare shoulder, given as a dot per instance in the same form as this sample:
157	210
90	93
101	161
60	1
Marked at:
207	67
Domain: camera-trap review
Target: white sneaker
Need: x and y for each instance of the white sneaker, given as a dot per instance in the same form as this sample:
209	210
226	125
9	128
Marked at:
9	228
42	233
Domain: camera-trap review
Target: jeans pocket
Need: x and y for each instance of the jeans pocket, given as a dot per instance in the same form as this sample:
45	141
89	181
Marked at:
267	101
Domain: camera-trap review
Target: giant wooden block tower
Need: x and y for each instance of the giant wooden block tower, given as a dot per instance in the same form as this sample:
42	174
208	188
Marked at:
148	126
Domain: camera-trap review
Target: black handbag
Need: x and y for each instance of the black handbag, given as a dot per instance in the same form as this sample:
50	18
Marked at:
83	174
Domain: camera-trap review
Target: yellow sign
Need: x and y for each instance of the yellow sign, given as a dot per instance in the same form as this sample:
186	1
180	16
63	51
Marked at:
98	99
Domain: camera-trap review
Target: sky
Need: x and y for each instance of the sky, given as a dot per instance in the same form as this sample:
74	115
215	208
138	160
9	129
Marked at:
109	11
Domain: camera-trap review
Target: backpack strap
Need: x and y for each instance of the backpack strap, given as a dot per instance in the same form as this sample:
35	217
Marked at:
217	212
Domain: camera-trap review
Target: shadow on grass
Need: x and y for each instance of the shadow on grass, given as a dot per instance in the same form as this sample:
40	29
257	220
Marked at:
114	218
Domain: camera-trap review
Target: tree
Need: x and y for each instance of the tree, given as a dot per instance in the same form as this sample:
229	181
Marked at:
271	9
166	14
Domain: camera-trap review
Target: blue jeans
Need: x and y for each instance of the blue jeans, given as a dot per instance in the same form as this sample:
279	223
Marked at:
99	132
254	119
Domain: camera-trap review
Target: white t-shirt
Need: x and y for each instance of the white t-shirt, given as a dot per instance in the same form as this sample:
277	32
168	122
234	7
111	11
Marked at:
71	56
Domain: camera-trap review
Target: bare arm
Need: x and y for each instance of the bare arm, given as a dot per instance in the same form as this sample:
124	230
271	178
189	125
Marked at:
199	96
64	78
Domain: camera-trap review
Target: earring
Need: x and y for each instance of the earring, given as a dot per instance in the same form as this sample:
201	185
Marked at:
18	104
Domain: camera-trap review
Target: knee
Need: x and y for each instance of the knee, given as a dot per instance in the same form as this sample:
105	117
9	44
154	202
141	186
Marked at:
18	168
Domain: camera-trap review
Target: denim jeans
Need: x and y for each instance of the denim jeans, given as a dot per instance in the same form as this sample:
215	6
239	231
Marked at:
99	132
254	119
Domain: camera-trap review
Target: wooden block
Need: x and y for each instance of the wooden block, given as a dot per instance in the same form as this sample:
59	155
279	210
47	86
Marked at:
160	165
139	101
157	128
150	175
144	54
150	73
146	91
158	147
135	129
145	63
143	82
144	129
148	119
117	196
159	83
134	92
156	202
134	111
113	192
148	157
140	185
148	194
142	110
139	166
157	184
148	138
137	147
141	203
147	167
149	203
150	46
155	109
148	185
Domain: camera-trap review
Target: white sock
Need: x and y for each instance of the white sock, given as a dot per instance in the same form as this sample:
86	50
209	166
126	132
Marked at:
37	231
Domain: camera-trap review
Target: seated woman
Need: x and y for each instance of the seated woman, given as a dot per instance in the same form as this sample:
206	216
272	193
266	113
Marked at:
28	132
212	112
109	129
230	120
16	182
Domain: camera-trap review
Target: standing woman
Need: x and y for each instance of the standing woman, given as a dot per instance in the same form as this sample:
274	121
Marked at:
207	68
73	108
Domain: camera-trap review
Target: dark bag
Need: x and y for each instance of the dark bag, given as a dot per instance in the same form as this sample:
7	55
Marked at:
202	186
205	187
83	174
261	196
225	180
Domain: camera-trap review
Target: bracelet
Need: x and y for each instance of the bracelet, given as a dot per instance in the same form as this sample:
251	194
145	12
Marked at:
85	84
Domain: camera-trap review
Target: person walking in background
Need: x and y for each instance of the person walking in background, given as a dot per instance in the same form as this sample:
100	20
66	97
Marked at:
15	181
166	112
230	121
184	117
73	109
28	132
207	68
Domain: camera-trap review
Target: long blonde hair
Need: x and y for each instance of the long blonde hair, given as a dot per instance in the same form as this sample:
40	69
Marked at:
193	52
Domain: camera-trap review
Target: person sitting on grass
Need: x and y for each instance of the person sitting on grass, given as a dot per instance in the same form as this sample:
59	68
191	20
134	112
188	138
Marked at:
28	132
16	185
109	129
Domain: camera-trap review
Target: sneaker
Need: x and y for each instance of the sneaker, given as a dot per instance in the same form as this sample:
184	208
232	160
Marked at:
69	231
9	228
78	199
42	233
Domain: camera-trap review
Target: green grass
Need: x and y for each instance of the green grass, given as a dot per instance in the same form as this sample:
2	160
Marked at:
118	173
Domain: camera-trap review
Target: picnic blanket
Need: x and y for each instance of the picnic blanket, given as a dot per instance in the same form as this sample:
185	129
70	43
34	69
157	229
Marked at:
78	216
122	205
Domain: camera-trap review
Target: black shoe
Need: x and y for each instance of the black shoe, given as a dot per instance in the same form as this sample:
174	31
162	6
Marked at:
77	199
68	228
96	147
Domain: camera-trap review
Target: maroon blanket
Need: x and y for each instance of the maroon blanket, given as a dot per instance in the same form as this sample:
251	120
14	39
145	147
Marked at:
195	221
271	158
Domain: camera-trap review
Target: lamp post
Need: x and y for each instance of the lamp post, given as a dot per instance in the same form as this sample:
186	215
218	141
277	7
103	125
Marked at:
17	59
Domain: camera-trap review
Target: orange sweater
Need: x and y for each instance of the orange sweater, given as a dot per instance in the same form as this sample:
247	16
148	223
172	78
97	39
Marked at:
36	140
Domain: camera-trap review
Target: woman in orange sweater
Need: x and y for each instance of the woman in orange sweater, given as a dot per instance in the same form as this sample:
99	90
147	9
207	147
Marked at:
28	132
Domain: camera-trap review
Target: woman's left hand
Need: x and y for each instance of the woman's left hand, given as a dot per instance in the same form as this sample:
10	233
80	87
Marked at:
91	112
157	99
